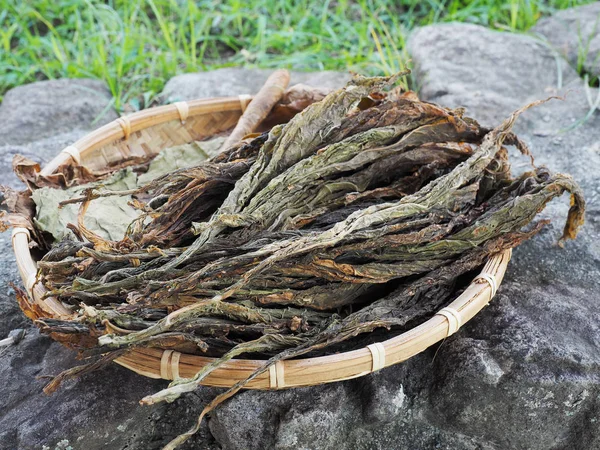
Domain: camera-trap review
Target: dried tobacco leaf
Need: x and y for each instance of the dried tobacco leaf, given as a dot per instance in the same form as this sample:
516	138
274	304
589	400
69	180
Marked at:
108	217
363	212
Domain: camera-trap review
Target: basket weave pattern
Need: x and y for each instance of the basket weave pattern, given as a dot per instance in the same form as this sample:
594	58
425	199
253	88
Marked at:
148	132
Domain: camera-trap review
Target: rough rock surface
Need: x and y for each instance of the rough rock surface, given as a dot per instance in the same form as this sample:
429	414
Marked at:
489	72
575	34
37	120
523	374
47	108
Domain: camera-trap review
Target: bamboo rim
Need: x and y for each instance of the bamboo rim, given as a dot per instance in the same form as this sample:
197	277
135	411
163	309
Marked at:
170	365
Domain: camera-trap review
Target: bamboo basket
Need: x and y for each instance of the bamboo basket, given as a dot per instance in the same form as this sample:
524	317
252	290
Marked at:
146	133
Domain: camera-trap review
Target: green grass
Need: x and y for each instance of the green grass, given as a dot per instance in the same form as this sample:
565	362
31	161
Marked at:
583	50
135	46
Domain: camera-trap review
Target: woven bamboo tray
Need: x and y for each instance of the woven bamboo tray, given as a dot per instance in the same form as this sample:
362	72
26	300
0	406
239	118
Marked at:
147	133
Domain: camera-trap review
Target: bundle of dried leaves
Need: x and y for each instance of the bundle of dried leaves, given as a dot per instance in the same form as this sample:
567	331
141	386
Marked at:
361	212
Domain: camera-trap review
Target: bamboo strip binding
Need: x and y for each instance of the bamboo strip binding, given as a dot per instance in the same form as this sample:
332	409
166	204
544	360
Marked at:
151	130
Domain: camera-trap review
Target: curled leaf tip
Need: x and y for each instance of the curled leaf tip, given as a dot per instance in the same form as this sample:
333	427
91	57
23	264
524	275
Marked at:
506	126
575	218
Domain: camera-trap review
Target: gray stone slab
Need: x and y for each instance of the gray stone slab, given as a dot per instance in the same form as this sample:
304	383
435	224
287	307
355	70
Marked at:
39	110
575	34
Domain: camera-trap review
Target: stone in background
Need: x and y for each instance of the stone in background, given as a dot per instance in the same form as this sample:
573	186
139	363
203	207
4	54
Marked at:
575	34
